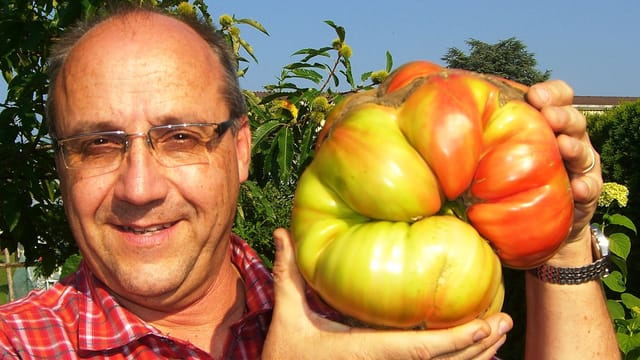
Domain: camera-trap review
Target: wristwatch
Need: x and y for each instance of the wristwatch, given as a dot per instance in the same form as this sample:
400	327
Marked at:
571	276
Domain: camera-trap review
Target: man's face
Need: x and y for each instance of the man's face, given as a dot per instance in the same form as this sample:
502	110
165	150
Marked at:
150	232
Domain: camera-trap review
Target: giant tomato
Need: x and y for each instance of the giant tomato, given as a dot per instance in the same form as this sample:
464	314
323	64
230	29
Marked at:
420	189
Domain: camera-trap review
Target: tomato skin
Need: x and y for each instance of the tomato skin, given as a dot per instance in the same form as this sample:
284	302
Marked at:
532	237
446	131
369	222
409	72
412	272
398	184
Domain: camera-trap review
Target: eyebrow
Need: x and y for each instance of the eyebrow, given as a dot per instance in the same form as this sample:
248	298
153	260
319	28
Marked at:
184	119
91	126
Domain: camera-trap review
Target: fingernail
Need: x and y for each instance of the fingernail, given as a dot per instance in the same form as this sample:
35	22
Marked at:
504	327
479	335
277	242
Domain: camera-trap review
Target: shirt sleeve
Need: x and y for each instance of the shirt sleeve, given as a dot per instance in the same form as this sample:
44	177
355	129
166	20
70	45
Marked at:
6	348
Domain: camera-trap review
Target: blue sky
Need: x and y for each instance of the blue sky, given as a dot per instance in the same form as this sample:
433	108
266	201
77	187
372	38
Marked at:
593	45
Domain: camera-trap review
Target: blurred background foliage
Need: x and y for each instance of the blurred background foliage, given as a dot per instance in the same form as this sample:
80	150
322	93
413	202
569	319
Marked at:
285	118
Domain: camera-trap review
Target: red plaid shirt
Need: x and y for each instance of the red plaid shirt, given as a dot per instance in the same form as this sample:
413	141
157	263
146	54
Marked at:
79	318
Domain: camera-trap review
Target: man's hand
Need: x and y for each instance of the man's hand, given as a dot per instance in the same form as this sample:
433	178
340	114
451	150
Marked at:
554	99
570	321
296	332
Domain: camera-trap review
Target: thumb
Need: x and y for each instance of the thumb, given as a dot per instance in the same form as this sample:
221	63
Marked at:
289	284
293	323
293	300
298	332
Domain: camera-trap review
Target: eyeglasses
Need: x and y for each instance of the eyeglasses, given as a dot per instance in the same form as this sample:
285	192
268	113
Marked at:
171	145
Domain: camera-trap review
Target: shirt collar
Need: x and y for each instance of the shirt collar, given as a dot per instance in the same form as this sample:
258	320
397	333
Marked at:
104	324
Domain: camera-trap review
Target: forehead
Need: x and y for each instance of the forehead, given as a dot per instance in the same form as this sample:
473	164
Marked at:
141	65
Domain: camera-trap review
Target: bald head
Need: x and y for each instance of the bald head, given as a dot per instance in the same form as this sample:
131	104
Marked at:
150	45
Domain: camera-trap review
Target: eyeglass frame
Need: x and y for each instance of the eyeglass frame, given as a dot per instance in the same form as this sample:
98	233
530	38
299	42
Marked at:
220	128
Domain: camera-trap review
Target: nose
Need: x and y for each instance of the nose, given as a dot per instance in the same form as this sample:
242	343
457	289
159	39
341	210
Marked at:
141	179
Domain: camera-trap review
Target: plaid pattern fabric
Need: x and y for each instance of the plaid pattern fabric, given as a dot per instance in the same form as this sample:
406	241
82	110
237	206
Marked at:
78	318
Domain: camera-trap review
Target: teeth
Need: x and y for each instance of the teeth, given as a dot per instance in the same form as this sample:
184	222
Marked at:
140	231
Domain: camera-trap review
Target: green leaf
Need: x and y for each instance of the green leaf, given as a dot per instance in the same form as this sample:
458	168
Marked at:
253	23
310	75
615	282
275	95
620	264
389	66
620	244
341	33
245	45
336	80
307	145
348	72
298	65
624	342
621	220
630	301
263	132
628	342
70	265
339	29
311	53
262	202
285	152
616	310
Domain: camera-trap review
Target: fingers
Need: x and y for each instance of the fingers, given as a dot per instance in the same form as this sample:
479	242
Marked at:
581	161
290	292
478	339
296	332
550	93
586	186
554	99
579	156
288	281
592	163
292	328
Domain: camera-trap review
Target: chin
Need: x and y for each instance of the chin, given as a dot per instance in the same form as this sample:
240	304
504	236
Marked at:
155	281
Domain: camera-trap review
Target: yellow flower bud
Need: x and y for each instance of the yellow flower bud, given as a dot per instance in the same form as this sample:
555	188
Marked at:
186	9
234	31
345	51
337	44
225	20
320	104
378	76
317	117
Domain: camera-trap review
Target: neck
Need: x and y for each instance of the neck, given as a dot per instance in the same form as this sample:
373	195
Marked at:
206	322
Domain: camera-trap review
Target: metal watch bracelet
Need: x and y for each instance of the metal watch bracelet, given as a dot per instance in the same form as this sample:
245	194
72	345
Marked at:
571	276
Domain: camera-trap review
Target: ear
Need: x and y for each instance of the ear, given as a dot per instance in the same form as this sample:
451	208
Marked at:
243	148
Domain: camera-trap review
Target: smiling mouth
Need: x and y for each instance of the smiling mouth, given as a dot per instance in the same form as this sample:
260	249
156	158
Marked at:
146	230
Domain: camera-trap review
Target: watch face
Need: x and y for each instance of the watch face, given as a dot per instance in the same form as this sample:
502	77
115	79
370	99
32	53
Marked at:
600	242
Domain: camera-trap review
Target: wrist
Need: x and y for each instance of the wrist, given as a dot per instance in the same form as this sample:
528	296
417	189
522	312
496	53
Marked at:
574	253
577	263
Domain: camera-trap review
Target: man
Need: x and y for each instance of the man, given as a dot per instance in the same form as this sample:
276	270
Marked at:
153	142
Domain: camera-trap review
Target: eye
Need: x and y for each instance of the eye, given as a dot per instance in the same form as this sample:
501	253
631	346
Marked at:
97	144
182	138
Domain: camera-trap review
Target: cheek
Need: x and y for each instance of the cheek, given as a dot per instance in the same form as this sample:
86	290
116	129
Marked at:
82	197
213	187
206	187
